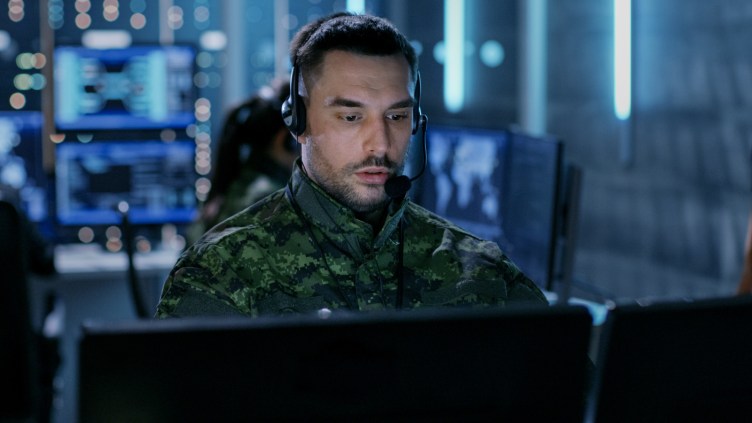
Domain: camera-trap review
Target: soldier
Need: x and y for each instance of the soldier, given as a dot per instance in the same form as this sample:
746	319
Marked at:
333	238
255	157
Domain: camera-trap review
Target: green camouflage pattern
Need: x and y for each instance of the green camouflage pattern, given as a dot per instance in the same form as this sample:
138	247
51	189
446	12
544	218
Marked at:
252	185
279	256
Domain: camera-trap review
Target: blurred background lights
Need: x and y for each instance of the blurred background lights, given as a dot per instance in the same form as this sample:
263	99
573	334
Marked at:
86	235
17	101
175	17
16	10
492	53
138	21
138	6
110	10
83	20
83	6
213	40
5	40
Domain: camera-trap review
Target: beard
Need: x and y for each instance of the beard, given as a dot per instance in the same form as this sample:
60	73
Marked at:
362	199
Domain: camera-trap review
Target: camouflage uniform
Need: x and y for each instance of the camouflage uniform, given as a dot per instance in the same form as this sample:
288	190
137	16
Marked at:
279	257
257	180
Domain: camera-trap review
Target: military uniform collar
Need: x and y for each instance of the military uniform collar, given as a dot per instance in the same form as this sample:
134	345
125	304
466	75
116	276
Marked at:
338	222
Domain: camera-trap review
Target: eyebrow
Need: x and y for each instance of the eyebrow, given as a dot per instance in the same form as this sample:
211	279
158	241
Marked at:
345	102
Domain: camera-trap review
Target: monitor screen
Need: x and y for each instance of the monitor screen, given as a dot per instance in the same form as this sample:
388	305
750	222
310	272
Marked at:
139	87
21	161
156	178
523	363
498	184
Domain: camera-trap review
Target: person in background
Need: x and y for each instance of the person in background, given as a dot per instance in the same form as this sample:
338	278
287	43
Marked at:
343	235
255	156
745	281
40	252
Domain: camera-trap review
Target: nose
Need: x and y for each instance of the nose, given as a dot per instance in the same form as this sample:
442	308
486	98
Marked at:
377	141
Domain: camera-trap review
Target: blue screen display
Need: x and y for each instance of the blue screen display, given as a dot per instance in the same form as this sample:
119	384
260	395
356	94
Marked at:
156	179
139	87
500	185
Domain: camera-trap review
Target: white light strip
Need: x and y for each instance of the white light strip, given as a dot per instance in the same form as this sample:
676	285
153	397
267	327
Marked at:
106	38
356	6
454	58
622	58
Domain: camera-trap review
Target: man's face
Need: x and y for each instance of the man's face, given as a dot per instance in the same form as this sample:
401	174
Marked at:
359	111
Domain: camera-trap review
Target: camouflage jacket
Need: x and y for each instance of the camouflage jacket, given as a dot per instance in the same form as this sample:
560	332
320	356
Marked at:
283	256
257	180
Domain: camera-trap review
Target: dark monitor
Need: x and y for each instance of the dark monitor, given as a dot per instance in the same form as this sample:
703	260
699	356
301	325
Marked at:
156	179
675	362
522	364
21	161
138	87
501	185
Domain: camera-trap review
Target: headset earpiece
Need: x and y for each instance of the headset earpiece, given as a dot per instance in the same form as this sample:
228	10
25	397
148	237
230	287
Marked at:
293	109
416	108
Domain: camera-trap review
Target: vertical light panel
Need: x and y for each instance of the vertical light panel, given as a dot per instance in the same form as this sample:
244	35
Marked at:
622	58
356	6
533	66
454	55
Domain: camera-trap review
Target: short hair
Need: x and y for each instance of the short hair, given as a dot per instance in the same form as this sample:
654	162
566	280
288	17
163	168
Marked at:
362	34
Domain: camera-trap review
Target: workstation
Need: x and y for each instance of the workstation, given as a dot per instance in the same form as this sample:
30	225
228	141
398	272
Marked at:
616	186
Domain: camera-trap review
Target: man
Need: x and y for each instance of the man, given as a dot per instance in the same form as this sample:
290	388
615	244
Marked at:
333	239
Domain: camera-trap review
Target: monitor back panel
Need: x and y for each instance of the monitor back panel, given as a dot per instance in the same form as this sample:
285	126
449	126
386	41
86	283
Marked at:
687	361
467	365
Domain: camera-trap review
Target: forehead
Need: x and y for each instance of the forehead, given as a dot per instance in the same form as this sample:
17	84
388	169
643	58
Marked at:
342	72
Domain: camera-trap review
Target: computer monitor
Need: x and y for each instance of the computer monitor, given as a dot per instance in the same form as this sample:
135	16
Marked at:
499	184
522	364
21	161
675	362
138	87
156	179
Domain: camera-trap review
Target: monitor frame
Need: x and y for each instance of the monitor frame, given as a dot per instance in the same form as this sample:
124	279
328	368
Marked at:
418	365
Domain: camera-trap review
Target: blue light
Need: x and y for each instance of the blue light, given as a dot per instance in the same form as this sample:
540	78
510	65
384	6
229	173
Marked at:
356	6
622	58
454	59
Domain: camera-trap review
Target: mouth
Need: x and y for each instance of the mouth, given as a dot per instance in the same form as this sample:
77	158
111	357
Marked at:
373	175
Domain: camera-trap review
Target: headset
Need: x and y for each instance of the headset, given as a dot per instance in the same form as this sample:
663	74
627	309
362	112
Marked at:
294	112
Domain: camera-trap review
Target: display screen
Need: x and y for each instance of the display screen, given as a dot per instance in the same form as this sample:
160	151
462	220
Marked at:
139	87
500	185
156	179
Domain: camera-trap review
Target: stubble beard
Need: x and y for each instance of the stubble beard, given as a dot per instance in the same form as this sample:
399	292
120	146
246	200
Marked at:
335	182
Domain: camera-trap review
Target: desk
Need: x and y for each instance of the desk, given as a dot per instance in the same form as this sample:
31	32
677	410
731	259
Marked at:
92	283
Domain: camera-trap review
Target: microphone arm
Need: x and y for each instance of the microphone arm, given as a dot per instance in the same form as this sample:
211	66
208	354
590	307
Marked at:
396	187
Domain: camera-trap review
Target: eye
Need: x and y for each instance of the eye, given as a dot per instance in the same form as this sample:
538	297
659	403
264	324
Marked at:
350	118
397	116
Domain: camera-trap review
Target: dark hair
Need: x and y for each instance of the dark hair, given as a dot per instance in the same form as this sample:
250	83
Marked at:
363	34
247	133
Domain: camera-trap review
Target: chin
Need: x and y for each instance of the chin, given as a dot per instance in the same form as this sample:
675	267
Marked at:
369	203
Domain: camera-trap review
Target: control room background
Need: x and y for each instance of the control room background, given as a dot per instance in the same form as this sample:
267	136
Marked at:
665	193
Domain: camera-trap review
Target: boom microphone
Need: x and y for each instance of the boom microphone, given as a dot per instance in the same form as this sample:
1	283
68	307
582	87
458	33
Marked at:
396	187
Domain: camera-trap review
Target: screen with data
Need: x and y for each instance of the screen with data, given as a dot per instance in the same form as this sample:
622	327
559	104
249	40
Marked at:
156	179
139	87
501	185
